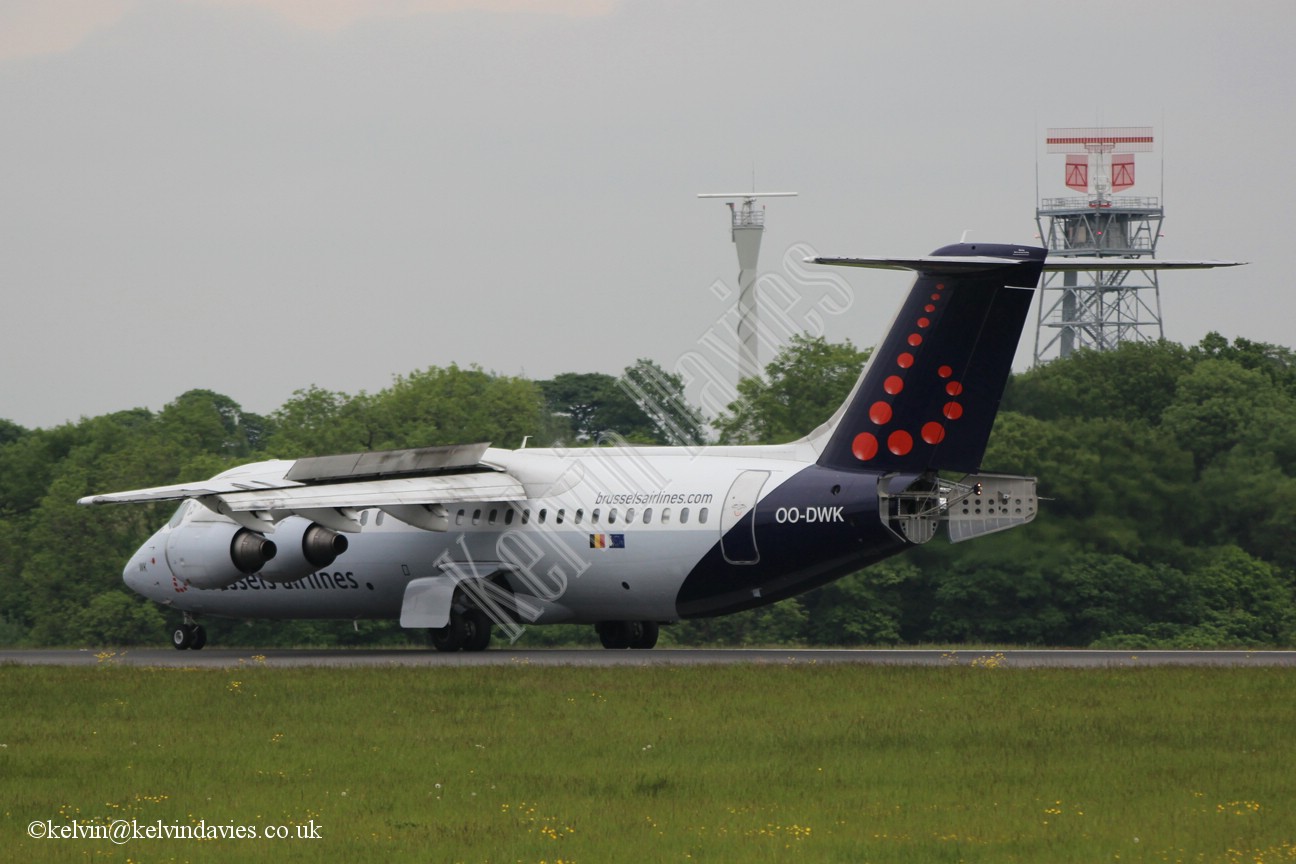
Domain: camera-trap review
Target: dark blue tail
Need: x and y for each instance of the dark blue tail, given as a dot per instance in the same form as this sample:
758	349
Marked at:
929	395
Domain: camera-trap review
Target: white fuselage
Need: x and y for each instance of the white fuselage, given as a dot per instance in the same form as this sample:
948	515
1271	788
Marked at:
603	534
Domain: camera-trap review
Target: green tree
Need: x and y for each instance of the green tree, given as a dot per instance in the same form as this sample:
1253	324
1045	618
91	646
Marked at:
459	406
646	405
1243	600
1221	402
1136	381
434	406
1274	361
592	404
207	422
317	422
116	618
10	432
779	623
659	396
997	589
802	387
864	608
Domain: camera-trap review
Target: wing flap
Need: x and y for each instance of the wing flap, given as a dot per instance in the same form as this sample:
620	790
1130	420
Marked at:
396	491
387	463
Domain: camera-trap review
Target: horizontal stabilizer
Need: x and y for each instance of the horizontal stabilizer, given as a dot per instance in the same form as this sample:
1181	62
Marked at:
1071	265
967	264
934	264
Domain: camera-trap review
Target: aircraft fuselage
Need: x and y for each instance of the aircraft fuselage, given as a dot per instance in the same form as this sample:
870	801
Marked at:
615	533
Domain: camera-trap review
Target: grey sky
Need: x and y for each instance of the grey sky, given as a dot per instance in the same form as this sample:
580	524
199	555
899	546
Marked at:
255	196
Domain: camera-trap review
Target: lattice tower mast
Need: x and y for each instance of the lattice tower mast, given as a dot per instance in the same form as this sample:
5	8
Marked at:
1098	310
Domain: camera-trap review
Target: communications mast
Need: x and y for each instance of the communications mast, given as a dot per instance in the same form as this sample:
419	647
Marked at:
1093	309
748	224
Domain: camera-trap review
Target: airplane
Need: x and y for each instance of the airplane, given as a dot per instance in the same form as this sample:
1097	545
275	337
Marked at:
462	539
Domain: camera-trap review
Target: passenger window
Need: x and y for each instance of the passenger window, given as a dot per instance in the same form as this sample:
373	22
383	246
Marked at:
477	516
543	512
702	516
561	514
459	518
683	515
494	514
526	515
612	516
579	514
629	515
594	516
647	515
508	516
364	517
379	519
665	515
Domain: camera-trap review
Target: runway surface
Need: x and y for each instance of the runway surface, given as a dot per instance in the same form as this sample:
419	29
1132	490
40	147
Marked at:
334	657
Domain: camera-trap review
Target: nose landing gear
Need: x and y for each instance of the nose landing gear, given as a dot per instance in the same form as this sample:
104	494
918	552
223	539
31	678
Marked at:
190	634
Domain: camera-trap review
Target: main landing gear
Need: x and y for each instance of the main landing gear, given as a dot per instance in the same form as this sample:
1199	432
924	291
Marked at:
189	635
627	634
469	630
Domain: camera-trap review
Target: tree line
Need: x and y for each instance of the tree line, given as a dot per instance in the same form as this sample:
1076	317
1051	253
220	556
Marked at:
1168	475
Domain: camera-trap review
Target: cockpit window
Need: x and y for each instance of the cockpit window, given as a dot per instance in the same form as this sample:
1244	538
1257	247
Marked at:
178	516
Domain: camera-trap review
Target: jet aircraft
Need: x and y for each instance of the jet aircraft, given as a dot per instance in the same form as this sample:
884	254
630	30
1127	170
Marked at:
463	539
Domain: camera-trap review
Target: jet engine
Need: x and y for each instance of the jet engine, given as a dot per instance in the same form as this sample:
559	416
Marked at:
213	554
304	547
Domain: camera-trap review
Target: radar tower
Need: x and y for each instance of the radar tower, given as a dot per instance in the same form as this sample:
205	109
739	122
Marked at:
1092	309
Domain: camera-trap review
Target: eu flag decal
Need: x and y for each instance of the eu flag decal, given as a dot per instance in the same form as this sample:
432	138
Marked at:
607	541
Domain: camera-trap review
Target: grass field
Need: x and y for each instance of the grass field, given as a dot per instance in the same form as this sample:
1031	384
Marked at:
706	764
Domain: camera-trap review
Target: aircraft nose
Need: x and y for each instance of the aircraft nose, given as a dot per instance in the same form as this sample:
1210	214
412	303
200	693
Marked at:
131	573
147	568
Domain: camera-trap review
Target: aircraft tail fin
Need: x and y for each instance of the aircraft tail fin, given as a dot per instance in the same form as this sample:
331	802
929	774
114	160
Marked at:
928	397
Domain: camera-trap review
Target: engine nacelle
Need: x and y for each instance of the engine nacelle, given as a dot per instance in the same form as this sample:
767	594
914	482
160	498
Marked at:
215	554
304	547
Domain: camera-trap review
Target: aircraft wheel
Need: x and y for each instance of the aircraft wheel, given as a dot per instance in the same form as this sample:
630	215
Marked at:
451	637
613	634
478	636
646	635
199	638
182	637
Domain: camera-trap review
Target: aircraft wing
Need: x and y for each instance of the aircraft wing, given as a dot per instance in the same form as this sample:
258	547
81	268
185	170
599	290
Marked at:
269	475
408	484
